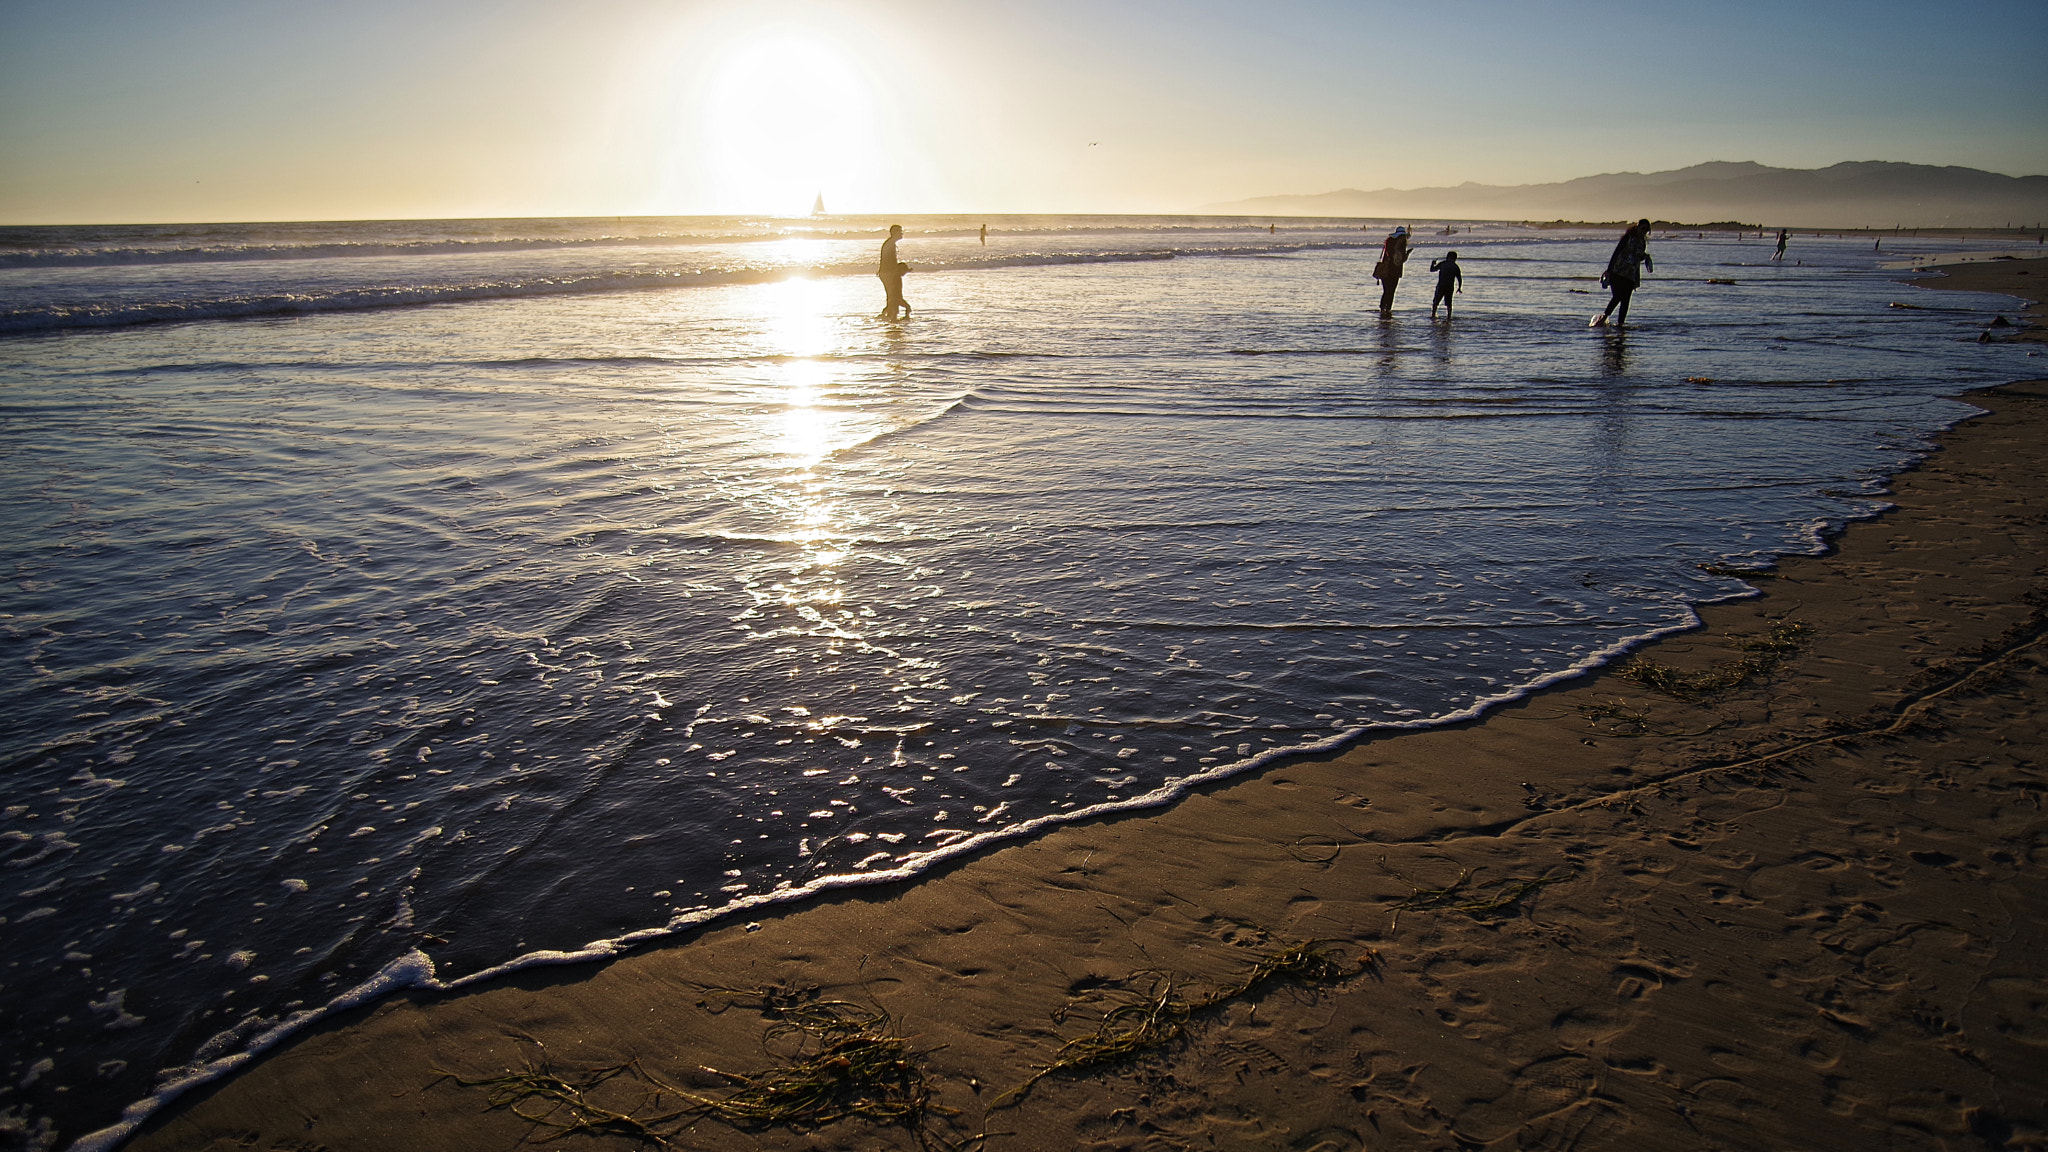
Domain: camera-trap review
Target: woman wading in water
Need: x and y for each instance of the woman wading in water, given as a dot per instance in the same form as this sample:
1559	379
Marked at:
1393	254
1624	272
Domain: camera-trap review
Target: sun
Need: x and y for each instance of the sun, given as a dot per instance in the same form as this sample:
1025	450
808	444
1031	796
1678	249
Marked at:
790	116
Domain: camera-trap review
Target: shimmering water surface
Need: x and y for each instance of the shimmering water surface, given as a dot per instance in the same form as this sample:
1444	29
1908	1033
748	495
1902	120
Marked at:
633	573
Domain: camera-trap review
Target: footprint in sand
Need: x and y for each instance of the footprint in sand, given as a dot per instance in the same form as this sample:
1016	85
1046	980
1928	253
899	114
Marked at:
1541	1089
1585	1026
2016	1007
1243	1060
1720	1107
1329	1140
1591	1124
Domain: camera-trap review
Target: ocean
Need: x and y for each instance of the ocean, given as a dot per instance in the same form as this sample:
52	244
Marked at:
397	604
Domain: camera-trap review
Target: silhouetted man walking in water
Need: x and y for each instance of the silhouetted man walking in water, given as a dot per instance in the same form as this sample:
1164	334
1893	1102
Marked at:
891	273
1624	271
1780	253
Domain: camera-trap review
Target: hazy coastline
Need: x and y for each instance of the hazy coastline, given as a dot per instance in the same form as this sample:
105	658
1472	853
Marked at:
1867	195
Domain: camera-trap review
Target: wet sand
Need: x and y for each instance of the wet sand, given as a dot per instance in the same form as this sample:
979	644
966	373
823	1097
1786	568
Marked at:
1804	910
2025	278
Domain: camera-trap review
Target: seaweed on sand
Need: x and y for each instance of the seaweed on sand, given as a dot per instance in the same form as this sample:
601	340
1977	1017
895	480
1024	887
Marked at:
1759	657
848	1065
566	1108
772	1001
1456	897
1157	1013
1623	720
1156	1016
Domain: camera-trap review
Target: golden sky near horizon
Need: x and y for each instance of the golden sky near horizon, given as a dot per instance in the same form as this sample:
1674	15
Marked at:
121	110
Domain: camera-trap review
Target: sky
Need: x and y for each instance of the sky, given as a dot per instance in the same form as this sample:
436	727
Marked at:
151	111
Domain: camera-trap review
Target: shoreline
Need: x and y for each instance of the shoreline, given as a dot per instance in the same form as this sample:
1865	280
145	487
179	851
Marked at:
2006	275
1286	852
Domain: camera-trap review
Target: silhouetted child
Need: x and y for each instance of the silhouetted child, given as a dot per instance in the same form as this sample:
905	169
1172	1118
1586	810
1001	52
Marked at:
1448	280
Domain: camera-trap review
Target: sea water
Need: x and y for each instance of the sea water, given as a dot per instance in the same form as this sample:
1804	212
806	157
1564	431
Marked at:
396	603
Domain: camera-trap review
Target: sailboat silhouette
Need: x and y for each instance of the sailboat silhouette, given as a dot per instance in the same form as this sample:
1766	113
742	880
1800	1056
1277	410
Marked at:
818	207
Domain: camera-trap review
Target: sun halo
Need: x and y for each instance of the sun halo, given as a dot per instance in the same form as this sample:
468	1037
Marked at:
791	117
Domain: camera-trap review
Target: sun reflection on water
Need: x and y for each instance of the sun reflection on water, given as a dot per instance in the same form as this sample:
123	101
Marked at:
816	418
808	426
800	322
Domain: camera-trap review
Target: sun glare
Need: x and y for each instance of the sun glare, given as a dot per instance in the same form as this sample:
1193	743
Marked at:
790	118
808	427
799	320
799	329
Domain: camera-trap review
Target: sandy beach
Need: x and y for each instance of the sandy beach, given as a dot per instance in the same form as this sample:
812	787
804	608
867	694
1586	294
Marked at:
1775	883
2004	274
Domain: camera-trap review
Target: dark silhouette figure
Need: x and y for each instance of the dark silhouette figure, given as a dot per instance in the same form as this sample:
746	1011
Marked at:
1448	280
1624	272
1780	253
1393	254
984	235
891	273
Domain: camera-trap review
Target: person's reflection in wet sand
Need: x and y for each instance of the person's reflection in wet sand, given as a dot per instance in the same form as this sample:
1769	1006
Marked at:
1389	344
1440	339
1612	391
1614	354
896	355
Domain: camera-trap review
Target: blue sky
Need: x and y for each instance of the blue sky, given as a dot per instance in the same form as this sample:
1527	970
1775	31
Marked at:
119	110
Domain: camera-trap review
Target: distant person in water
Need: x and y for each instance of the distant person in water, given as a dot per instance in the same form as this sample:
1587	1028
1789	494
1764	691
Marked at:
1448	280
1625	271
891	273
1393	254
984	235
1780	253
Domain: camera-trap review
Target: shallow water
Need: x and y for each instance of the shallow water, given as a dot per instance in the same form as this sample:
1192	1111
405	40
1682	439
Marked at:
568	611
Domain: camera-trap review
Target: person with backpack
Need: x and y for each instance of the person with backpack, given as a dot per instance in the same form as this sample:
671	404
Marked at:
1393	254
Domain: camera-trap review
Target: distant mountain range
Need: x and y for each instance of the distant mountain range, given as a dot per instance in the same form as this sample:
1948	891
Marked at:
1866	194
